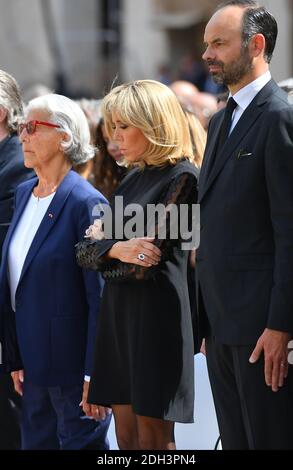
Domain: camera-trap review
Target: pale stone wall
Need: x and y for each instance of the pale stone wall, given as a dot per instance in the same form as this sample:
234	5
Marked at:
24	50
144	47
26	53
145	37
77	26
282	63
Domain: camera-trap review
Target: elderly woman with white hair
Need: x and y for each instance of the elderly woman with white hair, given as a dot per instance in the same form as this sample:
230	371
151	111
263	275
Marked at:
47	335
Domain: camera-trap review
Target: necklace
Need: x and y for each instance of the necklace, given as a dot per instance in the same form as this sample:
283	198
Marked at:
45	193
40	192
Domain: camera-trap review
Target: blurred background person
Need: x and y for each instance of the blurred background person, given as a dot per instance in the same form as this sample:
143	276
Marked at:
34	91
48	330
91	109
192	70
222	99
108	171
12	172
185	92
104	170
164	74
286	85
205	106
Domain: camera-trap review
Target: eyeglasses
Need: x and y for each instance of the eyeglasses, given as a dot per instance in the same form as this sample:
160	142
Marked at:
32	125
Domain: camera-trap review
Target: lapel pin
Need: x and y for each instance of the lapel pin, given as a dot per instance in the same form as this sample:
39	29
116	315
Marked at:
50	215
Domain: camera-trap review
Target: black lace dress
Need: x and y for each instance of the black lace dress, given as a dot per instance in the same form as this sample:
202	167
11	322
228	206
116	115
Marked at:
144	346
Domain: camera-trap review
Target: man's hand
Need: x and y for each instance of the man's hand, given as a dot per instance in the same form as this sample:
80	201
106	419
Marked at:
18	378
274	344
192	258
93	411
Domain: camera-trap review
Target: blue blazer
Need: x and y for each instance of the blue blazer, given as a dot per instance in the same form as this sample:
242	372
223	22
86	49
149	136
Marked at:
51	334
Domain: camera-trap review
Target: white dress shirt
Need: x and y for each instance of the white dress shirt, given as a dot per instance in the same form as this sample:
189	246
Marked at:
245	96
22	239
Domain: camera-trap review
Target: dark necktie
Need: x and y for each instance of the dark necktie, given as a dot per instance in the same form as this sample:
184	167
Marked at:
226	124
224	132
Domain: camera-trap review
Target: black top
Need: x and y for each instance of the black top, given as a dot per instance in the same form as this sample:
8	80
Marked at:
144	346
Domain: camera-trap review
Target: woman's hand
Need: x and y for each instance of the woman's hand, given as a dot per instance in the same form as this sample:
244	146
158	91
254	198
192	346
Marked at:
93	411
18	378
100	412
129	250
203	347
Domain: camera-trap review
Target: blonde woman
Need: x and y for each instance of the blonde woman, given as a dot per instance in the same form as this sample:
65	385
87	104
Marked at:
144	351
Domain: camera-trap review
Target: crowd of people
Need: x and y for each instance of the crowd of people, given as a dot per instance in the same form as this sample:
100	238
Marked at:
105	295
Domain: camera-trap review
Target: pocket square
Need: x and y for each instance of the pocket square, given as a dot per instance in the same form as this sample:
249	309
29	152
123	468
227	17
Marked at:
244	153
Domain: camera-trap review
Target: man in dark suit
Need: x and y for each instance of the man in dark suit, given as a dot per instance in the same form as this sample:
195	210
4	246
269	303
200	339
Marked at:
12	173
245	258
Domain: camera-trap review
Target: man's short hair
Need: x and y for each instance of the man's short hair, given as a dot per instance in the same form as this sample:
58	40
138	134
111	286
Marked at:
256	20
240	3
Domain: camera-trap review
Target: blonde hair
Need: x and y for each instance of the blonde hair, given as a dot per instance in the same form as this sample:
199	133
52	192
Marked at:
152	108
198	136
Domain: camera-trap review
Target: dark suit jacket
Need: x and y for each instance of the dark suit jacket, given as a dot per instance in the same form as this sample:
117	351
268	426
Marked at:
245	258
56	301
12	173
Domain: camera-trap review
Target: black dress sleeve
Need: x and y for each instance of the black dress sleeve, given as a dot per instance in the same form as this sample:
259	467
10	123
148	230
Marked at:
181	190
90	254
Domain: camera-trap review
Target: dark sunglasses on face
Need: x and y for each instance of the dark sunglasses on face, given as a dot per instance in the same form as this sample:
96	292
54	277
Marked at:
32	125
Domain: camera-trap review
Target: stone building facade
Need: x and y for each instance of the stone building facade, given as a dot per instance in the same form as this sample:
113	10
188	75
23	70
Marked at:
82	46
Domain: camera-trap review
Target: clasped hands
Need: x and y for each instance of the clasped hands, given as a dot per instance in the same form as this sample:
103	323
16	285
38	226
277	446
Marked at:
140	251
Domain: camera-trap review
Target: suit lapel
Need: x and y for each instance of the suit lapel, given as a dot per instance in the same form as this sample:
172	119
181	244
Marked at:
50	218
210	149
248	118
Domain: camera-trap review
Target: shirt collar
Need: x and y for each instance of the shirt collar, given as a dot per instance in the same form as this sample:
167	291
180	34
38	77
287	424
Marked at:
245	96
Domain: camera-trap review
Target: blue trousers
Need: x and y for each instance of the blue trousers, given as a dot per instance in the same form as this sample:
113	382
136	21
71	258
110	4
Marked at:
52	419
